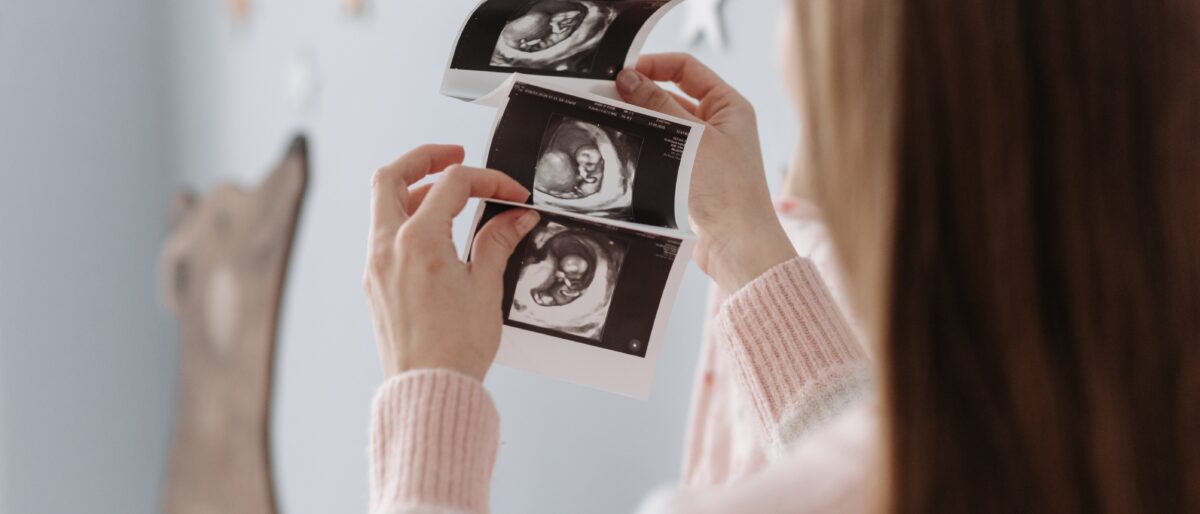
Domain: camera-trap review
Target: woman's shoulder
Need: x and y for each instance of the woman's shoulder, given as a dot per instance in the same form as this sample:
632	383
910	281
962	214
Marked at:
834	469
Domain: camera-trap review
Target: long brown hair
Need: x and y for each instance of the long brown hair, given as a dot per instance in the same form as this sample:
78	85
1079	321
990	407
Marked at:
1017	208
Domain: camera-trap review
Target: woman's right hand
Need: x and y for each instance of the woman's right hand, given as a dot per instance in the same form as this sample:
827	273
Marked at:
729	204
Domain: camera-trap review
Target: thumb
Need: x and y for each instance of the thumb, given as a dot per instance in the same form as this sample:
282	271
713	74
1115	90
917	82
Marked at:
495	242
639	90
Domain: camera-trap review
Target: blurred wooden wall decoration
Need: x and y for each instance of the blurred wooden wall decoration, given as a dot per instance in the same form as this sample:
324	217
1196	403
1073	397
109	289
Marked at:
355	7
224	266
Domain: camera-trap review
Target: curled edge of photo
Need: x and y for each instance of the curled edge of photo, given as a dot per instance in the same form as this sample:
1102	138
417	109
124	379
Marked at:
474	85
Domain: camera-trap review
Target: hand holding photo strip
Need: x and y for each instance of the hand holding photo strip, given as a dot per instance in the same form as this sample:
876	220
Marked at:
587	299
588	292
582	43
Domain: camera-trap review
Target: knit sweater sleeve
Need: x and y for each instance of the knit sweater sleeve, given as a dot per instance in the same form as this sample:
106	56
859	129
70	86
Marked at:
434	436
796	361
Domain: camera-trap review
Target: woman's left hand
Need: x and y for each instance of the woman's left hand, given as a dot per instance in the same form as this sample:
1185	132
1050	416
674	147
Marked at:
430	309
729	204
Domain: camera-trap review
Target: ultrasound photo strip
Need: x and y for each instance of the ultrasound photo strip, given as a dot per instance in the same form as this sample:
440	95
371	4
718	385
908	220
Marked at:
589	290
587	300
581	43
586	154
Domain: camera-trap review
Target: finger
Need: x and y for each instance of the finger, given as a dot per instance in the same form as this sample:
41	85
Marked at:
387	211
693	78
421	161
450	194
686	103
639	90
417	195
495	242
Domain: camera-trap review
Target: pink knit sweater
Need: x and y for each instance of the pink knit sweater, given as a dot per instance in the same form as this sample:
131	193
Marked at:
780	418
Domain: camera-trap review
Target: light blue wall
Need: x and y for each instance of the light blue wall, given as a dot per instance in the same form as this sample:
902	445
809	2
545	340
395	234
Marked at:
87	359
3	438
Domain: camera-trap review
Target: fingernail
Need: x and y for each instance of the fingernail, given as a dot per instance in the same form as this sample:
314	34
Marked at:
526	222
628	80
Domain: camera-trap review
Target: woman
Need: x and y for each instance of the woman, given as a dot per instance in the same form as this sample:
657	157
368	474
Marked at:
1011	189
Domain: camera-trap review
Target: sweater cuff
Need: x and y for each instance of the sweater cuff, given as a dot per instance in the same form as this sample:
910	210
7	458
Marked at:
434	435
794	357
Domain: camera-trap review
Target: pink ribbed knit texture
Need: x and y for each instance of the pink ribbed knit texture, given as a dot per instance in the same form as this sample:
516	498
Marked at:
792	352
433	442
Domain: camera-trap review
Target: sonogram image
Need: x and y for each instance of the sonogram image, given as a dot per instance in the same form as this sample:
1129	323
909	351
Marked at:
567	279
586	168
558	35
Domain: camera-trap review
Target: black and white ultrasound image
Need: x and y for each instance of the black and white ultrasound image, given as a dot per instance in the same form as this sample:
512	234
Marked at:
572	38
586	282
559	35
586	168
567	279
587	157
